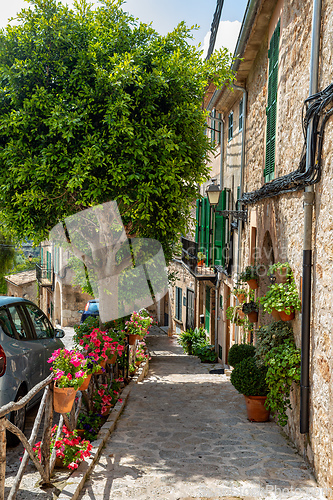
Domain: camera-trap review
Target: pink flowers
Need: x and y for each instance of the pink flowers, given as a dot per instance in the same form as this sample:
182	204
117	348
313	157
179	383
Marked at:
138	324
68	368
70	448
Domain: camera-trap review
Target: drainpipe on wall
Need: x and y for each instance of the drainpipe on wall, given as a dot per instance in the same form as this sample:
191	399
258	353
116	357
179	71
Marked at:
239	252
309	196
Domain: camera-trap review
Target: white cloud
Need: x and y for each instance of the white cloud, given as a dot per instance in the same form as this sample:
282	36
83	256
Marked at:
227	36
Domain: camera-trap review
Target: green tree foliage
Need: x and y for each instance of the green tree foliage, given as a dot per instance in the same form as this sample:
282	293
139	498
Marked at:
95	106
7	258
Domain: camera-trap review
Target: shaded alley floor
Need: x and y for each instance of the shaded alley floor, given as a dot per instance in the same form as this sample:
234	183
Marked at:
184	434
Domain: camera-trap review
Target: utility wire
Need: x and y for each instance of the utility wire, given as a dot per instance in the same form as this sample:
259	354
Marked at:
318	109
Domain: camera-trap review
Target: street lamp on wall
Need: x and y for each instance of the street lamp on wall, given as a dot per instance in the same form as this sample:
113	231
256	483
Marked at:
213	193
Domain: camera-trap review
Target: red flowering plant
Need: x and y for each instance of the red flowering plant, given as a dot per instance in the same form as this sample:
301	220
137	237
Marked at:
69	368
140	354
100	345
138	323
107	395
70	448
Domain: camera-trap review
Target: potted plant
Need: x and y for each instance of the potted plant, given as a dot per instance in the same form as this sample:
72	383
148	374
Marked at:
201	259
283	297
250	276
70	448
240	293
251	309
249	380
106	396
101	346
238	352
281	271
233	314
69	373
137	326
89	423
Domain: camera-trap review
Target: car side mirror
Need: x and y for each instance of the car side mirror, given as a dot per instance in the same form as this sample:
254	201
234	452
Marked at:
59	333
81	312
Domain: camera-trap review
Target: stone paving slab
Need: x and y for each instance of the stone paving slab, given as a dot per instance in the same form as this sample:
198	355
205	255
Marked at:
184	435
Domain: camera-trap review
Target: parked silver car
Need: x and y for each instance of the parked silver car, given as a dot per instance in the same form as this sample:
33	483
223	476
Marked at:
27	340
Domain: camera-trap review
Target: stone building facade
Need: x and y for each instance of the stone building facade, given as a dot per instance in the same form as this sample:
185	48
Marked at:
275	223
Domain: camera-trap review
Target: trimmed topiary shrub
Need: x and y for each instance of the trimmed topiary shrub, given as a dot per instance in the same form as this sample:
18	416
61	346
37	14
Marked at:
249	379
238	352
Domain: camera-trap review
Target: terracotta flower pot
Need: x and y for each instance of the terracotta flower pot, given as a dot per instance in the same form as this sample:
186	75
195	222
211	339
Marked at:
107	410
276	314
241	315
253	283
63	399
59	463
256	411
253	316
241	297
112	360
80	432
85	384
132	338
200	263
287	317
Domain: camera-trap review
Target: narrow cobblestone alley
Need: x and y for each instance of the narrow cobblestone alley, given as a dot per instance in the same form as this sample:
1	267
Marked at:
184	434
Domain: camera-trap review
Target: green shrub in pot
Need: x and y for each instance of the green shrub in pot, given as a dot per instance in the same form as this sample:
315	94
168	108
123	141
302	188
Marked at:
238	352
248	378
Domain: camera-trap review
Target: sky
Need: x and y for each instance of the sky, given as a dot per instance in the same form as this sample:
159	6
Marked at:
166	14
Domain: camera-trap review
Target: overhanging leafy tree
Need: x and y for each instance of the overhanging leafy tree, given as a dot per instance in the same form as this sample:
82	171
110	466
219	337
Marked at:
95	107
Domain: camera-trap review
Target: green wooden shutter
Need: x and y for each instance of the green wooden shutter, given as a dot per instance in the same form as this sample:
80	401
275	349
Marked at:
219	233
207	230
273	55
197	219
219	128
212	124
48	265
202	237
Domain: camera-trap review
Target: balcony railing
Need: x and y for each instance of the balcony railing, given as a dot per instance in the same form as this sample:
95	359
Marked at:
44	275
190	259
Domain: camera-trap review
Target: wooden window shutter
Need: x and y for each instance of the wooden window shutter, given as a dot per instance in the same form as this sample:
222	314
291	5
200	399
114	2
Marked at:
219	239
207	230
272	104
212	124
197	218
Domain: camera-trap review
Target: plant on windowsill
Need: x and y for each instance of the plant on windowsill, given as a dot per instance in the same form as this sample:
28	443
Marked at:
283	297
250	276
201	257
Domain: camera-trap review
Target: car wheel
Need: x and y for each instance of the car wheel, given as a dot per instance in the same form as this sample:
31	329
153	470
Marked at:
18	419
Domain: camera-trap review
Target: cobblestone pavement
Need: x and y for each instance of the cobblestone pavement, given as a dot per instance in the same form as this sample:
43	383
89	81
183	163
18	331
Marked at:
184	435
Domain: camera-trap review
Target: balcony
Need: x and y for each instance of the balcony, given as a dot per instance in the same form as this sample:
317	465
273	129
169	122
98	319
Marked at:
190	260
44	276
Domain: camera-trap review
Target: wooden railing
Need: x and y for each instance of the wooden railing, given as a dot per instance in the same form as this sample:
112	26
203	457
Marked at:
46	465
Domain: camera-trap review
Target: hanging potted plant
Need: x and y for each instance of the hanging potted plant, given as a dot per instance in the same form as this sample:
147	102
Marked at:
69	373
201	259
234	315
249	380
281	271
251	309
137	326
250	276
240	293
283	297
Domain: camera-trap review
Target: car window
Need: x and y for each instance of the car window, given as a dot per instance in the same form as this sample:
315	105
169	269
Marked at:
18	320
5	323
42	326
93	307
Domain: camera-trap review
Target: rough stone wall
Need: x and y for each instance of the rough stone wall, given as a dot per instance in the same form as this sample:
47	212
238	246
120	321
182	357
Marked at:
283	216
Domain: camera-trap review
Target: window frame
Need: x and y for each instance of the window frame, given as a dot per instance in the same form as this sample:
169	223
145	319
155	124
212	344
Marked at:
230	126
241	115
179	303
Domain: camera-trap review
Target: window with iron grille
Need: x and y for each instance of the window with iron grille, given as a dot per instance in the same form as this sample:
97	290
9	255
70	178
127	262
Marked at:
230	126
273	55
